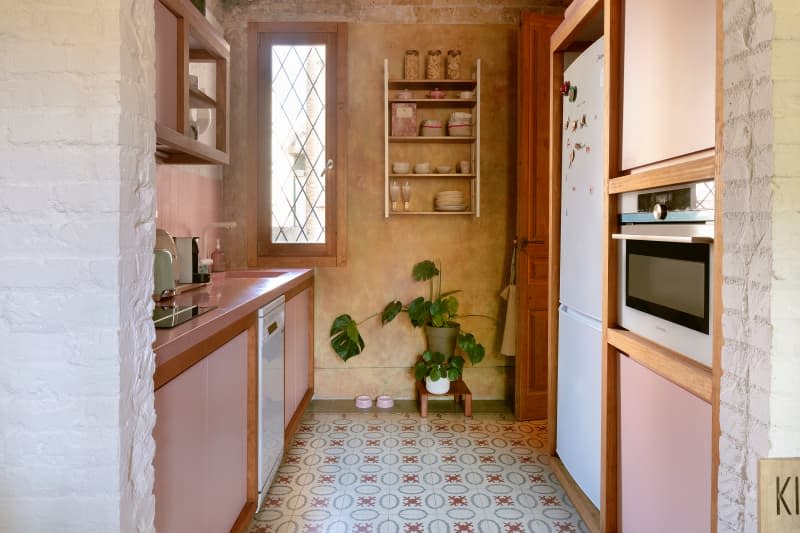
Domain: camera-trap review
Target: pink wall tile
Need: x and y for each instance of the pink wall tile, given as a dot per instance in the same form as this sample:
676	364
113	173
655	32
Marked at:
188	201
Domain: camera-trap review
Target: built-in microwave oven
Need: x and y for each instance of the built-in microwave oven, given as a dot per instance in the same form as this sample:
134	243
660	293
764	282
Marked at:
666	267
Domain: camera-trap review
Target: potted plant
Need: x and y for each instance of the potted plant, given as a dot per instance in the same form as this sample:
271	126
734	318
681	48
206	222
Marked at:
438	370
436	313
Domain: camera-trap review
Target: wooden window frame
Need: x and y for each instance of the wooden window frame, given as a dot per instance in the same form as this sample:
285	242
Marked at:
333	252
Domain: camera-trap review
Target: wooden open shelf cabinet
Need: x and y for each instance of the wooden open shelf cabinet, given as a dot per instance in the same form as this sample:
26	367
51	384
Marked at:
196	41
587	20
474	178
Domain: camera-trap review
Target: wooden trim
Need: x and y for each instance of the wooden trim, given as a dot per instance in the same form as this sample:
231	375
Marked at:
177	148
333	252
686	172
554	247
200	27
297	289
252	153
716	275
577	18
252	412
291	427
171	369
296	27
684	372
311	357
182	73
586	509
223	101
245	518
613	29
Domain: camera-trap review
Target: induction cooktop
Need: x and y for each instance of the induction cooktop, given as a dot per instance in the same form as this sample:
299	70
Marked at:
169	316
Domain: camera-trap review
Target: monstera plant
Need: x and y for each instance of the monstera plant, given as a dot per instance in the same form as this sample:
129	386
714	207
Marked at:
436	313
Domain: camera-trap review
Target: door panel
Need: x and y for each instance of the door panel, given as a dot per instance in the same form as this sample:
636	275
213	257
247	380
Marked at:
530	387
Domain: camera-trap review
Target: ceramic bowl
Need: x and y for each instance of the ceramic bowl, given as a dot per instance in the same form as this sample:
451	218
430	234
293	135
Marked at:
363	401
466	95
384	401
444	169
422	168
401	167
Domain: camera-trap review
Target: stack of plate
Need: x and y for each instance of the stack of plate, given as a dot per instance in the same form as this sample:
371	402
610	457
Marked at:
450	201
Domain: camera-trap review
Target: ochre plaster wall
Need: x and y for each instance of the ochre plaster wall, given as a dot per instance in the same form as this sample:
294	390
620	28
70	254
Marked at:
381	252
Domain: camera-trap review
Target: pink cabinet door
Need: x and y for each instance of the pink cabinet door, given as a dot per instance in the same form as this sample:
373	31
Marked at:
297	349
665	454
181	453
227	433
201	444
668	103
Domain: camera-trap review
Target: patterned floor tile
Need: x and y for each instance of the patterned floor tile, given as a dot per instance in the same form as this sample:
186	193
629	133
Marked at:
399	473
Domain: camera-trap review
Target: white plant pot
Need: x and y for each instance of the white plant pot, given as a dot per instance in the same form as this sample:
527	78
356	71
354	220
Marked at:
440	386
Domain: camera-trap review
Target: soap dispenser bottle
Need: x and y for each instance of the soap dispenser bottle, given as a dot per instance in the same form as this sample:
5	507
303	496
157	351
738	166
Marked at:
218	257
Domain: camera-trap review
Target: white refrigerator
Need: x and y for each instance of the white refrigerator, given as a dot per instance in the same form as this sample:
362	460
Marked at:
579	327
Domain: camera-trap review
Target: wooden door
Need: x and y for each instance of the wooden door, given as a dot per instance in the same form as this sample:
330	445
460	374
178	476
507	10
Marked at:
530	386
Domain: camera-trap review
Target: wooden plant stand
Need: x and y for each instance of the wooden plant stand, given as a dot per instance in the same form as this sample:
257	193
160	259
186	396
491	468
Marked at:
458	389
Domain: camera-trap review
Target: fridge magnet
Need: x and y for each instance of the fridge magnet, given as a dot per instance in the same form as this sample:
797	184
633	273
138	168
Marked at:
565	88
571	159
579	146
574	125
583	121
566	124
573	92
588	149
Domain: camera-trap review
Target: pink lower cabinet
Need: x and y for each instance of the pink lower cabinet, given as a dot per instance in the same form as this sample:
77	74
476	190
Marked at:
298	346
201	444
665	454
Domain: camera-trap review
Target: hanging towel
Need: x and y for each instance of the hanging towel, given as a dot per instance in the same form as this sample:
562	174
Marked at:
509	345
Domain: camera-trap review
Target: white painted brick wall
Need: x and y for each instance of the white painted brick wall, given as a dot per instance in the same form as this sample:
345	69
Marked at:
747	200
76	225
784	432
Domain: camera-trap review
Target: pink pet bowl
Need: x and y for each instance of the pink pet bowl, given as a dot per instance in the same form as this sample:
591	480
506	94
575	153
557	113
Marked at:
363	401
384	401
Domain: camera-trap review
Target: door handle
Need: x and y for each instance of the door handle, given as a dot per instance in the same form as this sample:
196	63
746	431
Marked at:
525	242
328	166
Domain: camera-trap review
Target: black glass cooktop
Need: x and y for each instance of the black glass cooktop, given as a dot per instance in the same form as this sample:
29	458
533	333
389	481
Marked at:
168	316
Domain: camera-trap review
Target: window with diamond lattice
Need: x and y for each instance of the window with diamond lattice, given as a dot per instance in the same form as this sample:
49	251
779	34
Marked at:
298	156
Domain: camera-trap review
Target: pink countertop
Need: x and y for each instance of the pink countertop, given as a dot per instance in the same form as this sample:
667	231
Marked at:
236	294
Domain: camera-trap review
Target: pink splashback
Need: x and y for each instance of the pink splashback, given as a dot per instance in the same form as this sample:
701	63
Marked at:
188	201
665	454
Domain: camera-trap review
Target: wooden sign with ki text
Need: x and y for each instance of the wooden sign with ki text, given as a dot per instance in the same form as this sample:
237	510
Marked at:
779	495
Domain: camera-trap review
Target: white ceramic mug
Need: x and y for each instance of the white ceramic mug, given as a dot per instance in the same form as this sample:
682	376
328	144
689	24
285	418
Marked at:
463	166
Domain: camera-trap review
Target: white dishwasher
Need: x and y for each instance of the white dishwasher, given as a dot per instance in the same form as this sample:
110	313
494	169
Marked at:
270	392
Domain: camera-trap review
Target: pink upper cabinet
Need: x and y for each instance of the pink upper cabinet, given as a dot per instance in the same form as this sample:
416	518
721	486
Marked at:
669	66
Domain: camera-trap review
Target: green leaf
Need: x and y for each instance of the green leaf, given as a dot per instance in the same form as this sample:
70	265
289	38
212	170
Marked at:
476	356
435	373
453	374
419	311
438	358
457	362
427	356
391	310
346	340
424	270
474	350
452	305
420	369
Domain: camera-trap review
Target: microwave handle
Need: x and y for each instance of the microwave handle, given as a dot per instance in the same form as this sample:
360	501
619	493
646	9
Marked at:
692	239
